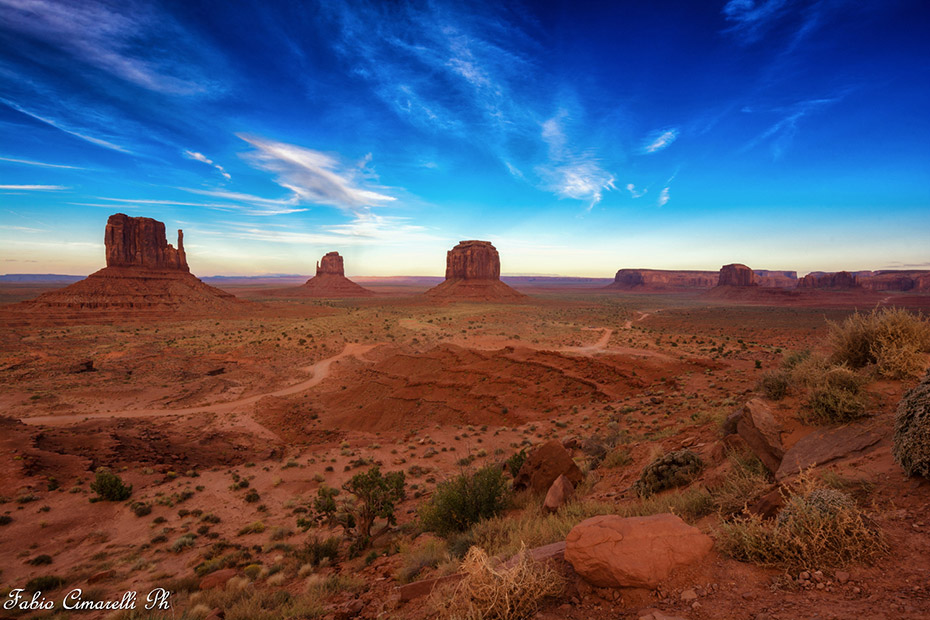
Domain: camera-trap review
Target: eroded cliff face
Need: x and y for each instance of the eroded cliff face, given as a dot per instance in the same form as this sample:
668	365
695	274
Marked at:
736	274
661	278
473	260
140	242
838	280
330	264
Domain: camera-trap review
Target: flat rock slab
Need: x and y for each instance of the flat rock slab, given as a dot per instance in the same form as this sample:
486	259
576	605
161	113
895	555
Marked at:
823	446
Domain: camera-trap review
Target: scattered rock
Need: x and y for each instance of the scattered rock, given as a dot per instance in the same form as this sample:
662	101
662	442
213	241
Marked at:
217	579
543	465
761	432
613	551
688	595
85	366
561	491
841	577
823	446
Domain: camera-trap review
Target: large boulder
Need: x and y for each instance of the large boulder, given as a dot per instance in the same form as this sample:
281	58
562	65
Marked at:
543	465
759	430
736	274
912	431
824	446
559	494
638	552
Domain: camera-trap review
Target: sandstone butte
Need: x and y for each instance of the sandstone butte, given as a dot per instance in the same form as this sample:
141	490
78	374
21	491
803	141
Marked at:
736	274
838	280
329	281
473	271
143	272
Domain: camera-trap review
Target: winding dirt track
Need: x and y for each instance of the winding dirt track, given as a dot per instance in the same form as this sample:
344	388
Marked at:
318	371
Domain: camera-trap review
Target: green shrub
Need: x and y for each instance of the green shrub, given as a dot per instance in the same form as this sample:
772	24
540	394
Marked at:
817	528
465	500
911	444
892	339
44	583
671	470
5	519
141	509
40	560
515	462
618	457
183	542
374	496
109	487
316	551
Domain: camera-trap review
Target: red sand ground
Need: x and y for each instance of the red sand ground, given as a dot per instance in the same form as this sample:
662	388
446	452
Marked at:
294	394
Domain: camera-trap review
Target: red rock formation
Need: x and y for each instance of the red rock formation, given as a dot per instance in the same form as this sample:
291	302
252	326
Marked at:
895	280
736	274
627	279
473	270
143	273
544	465
838	280
141	242
331	264
776	279
329	282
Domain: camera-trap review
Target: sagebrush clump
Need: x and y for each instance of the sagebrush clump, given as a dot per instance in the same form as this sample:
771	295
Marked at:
891	339
109	487
671	470
465	500
818	528
837	397
911	444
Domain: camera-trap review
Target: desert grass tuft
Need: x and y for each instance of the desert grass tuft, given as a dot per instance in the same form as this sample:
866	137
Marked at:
892	339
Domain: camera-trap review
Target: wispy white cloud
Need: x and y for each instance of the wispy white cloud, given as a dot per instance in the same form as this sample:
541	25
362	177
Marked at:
65	127
24	229
34	188
131	40
660	140
569	174
782	132
750	19
203	158
315	177
29	162
663	197
636	193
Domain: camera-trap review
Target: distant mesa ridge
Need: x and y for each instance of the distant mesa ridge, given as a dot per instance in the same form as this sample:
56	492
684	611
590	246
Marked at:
473	271
838	280
629	279
143	272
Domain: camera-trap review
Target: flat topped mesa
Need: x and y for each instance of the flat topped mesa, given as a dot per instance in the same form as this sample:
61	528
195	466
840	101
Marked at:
473	271
141	242
143	273
736	274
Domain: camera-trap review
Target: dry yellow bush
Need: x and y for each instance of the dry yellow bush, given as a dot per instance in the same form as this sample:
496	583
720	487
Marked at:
489	592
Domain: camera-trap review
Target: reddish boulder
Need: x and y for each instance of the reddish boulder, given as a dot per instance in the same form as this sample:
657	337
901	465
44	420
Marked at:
141	242
217	579
638	552
736	275
561	491
761	432
544	465
824	446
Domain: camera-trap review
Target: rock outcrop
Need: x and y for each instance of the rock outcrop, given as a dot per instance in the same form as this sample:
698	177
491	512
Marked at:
916	281
776	279
143	273
141	242
825	446
559	494
736	274
758	429
329	282
631	279
836	281
473	271
610	551
544	465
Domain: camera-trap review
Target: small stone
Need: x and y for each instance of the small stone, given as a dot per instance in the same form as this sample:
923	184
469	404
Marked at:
841	577
820	586
818	576
804	575
857	590
689	595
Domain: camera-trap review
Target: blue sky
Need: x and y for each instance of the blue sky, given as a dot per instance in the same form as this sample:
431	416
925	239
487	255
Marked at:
580	138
